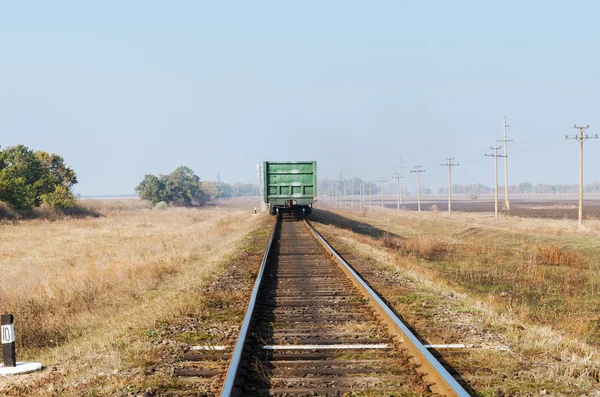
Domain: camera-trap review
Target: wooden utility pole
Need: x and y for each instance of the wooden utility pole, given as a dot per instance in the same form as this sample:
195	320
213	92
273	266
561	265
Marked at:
418	170
581	138
383	181
495	156
505	141
450	164
399	177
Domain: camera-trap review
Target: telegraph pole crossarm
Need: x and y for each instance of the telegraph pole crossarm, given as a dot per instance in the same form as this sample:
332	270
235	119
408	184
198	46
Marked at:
450	164
581	139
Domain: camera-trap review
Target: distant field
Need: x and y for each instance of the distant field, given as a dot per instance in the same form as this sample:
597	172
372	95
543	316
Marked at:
527	206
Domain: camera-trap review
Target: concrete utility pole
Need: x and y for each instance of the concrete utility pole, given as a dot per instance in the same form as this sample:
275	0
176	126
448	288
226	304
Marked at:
495	156
418	170
345	193
383	181
259	175
505	141
581	138
399	177
352	194
450	164
370	197
362	189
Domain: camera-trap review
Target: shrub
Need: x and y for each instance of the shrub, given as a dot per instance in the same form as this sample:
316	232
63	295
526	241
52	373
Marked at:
60	198
424	247
551	255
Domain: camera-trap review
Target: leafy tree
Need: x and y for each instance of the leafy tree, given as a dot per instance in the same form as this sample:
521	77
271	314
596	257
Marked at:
209	192
180	187
19	172
26	176
244	189
225	190
152	188
525	187
54	173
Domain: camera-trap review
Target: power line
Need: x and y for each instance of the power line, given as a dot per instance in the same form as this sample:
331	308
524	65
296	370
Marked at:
526	148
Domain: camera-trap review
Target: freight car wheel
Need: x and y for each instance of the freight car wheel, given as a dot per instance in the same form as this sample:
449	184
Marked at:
272	211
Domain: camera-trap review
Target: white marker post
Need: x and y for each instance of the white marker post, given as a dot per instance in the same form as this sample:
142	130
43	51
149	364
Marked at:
11	366
8	341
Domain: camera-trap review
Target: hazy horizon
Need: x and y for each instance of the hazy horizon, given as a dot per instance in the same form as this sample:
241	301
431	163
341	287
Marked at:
121	90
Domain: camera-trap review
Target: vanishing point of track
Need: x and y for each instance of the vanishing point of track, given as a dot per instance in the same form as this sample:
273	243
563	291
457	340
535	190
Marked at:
314	327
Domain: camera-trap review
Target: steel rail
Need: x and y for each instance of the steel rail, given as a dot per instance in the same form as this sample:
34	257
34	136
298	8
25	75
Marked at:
444	383
236	357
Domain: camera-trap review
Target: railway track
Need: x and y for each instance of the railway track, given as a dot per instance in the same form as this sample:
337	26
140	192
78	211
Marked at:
313	327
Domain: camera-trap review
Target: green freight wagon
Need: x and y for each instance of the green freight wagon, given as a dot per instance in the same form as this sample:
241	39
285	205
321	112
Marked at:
290	186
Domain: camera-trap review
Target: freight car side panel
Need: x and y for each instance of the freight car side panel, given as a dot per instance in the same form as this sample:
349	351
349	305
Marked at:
285	181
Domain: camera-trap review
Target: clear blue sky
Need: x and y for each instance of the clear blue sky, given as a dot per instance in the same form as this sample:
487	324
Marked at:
125	88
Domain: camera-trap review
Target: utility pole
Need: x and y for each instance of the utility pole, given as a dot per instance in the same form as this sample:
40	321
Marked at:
581	138
495	156
399	177
505	141
450	164
345	193
362	189
383	181
371	196
352	192
418	170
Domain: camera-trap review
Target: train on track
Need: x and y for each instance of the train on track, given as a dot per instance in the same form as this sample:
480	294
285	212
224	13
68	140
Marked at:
289	186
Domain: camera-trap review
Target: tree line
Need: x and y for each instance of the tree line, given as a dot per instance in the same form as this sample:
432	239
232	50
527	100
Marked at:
182	187
31	179
351	186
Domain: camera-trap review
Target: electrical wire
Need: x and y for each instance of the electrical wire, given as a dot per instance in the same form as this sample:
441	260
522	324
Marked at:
526	148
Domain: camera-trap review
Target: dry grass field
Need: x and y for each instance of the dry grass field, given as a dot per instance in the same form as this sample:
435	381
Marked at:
83	289
537	279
